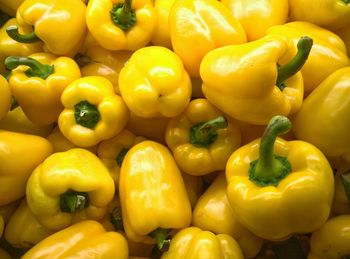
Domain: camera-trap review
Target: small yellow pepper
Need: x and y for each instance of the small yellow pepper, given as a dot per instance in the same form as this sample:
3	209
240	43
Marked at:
19	155
341	201
69	187
5	97
202	138
121	24
10	6
86	239
92	111
199	26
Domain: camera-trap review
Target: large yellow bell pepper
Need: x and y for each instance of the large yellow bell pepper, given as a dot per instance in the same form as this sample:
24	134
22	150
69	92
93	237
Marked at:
152	194
5	97
37	83
254	81
92	111
121	24
344	33
256	16
331	241
278	188
69	187
19	155
322	120
10	6
202	138
199	26
327	55
59	24
193	243
87	239
159	87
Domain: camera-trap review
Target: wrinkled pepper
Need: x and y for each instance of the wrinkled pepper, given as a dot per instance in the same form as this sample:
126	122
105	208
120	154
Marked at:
86	239
69	187
19	155
92	111
5	97
199	26
202	138
37	82
10	6
254	81
277	188
341	201
121	24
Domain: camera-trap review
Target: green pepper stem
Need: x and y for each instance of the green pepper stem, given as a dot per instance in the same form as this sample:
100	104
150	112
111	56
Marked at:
35	67
123	16
121	155
205	133
86	114
346	2
161	237
72	201
12	31
292	67
116	218
269	169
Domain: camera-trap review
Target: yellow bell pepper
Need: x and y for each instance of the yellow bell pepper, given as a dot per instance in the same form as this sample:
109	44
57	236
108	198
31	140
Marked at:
193	243
5	97
37	83
322	120
152	194
327	55
19	155
256	16
60	25
202	138
158	88
277	188
331	14
23	230
199	26
92	111
341	201
86	239
69	187
254	81
331	241
121	24
213	213
10	6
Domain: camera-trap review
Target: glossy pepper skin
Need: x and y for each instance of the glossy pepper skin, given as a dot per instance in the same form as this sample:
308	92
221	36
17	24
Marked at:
19	155
86	239
69	187
37	83
5	97
92	111
194	30
213	213
121	24
10	6
256	16
192	243
152	192
322	120
202	138
59	24
273	184
161	88
331	241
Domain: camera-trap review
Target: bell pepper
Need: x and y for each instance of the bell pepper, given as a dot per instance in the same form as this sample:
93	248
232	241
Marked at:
331	241
37	83
92	111
341	201
344	34
121	24
161	88
19	155
199	26
257	16
327	55
60	25
277	188
23	230
202	138
252	82
86	239
10	6
5	97
69	187
331	14
213	213
192	243
152	193
322	120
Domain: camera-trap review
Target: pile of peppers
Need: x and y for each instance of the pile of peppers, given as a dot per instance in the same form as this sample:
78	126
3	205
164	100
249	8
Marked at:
175	129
